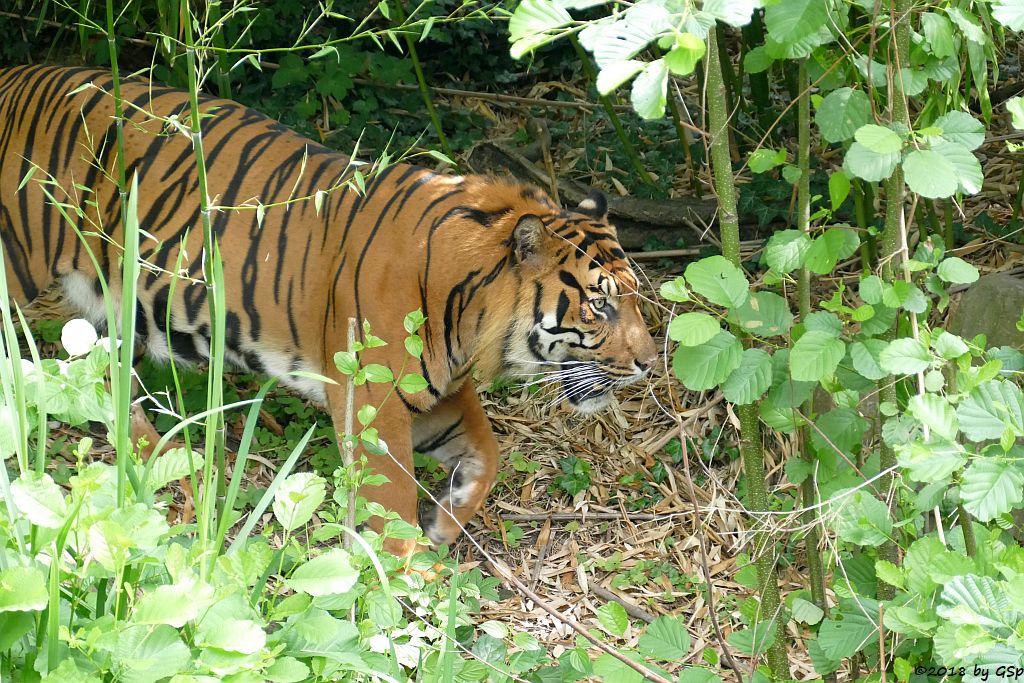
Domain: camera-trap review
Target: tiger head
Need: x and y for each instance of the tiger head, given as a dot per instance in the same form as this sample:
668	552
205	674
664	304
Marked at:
578	322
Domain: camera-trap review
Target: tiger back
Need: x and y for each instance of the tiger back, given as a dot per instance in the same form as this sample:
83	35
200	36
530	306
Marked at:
508	282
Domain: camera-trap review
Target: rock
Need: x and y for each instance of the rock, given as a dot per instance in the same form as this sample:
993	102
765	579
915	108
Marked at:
991	306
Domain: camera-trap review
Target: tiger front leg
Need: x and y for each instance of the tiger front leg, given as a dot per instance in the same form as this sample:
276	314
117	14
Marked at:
394	425
457	434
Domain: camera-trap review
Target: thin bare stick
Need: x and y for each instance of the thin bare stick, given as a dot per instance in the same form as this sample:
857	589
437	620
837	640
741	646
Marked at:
347	451
632	610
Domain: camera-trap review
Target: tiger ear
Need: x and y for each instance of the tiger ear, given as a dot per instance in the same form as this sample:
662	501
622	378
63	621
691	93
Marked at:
526	237
594	205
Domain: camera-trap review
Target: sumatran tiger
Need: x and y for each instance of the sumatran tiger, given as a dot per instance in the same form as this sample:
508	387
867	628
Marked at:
508	282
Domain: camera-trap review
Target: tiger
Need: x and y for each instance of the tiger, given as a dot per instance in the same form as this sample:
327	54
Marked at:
509	283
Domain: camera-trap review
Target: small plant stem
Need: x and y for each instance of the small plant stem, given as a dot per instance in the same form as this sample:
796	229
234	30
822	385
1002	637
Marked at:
894	198
223	65
751	446
347	454
966	522
803	286
613	117
428	102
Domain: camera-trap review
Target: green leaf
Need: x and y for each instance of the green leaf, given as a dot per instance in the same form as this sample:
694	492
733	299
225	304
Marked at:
815	356
675	290
936	413
962	128
750	380
666	638
38	498
829	248
879	139
615	74
842	113
613	618
243	636
171	604
938	31
706	366
992	408
931	461
1015	105
366	413
22	589
346	362
786	250
954	269
698	674
806	612
841	428
530	24
736	13
756	60
287	670
378	373
949	346
795	20
716	279
905	356
328	574
791	174
865	356
968	24
414	321
765	314
838	189
297	499
414	345
693	329
684	55
845	634
145	654
862	163
990	487
648	93
412	383
930	174
754	640
871	289
890	573
965	165
1009	13
765	159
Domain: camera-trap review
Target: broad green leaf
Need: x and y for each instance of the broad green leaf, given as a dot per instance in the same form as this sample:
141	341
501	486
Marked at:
968	24
841	428
1015	105
765	159
235	635
930	174
871	289
954	269
806	612
706	366
815	356
675	290
791	174
736	13
977	601
665	638
993	407
693	329
616	73
412	383
38	498
297	499
962	128
905	356
146	654
949	346
879	139
862	163
719	281
966	166
287	670
826	321
1009	13
990	487
648	94
377	373
326	574
684	55
932	461
22	589
756	60
346	362
765	314
936	413
938	31
844	635
172	604
530	23
613	618
865	355
754	640
829	248
750	380
786	250
842	113
608	668
838	189
698	674
169	466
890	573
795	20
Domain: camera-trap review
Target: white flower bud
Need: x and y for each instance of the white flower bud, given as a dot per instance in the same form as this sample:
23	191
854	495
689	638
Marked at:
78	337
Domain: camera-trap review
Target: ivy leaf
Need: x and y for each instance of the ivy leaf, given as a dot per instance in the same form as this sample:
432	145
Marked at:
992	408
719	281
693	329
666	638
829	248
962	128
990	487
786	250
706	366
815	356
862	163
906	356
648	94
842	113
954	269
930	174
750	380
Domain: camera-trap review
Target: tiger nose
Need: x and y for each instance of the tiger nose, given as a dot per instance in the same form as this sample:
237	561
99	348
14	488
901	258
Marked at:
645	364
